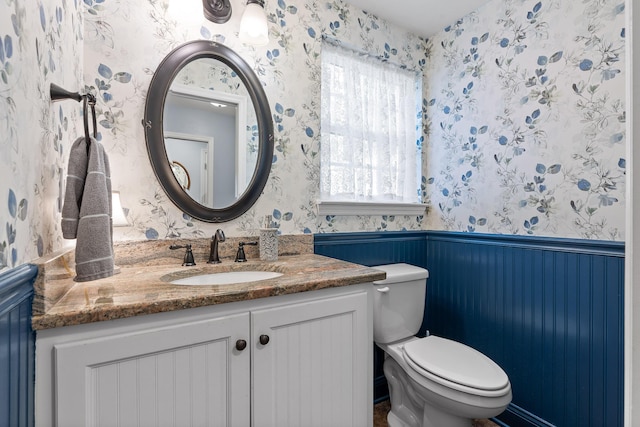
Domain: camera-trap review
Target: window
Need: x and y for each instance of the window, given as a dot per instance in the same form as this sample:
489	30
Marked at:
370	123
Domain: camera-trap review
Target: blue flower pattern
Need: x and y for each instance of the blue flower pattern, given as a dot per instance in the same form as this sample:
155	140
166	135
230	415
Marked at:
39	44
523	114
528	133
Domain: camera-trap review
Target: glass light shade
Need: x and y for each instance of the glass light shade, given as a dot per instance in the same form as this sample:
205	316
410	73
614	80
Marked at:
117	213
253	26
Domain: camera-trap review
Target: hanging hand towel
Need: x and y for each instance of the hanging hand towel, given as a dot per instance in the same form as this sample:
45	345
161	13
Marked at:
86	214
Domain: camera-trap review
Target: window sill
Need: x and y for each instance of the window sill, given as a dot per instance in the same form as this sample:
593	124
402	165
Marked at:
331	207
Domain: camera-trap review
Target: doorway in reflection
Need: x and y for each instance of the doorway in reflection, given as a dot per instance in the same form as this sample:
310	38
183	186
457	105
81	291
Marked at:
202	141
190	157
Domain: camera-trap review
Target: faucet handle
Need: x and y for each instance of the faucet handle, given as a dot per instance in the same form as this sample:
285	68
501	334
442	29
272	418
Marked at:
240	255
188	255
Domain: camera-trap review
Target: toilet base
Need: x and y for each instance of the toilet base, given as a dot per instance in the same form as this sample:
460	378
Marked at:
432	421
408	408
433	417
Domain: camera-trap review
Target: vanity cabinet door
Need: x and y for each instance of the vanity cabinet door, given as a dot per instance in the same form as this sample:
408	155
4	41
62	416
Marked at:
310	363
188	374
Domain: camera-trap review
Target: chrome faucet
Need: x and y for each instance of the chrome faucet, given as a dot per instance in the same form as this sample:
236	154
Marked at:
213	254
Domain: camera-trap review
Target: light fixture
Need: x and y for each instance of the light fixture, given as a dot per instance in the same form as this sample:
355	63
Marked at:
217	11
117	213
253	26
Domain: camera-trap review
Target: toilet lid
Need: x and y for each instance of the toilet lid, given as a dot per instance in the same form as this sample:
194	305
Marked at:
456	362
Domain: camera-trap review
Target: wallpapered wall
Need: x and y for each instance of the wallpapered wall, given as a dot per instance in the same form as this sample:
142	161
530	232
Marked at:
40	43
524	114
129	39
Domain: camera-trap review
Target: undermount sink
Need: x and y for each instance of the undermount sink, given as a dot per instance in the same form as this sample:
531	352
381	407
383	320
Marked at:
227	278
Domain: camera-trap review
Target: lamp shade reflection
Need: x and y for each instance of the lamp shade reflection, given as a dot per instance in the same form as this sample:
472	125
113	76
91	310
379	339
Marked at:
118	216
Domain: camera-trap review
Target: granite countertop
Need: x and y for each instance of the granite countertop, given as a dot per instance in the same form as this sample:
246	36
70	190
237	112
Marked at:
143	287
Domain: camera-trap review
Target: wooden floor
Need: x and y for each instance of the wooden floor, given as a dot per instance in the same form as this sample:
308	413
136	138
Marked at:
381	409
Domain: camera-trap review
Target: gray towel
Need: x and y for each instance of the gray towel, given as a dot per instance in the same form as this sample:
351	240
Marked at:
86	214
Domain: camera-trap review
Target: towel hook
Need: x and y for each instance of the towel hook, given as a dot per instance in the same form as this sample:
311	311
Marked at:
91	101
88	99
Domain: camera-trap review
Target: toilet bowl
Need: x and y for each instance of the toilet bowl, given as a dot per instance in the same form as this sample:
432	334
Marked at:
433	381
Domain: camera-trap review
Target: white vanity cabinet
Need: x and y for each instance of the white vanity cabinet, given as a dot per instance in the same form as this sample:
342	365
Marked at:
188	374
307	362
311	364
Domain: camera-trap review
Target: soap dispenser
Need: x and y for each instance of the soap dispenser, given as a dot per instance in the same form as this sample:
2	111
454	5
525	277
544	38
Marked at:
269	240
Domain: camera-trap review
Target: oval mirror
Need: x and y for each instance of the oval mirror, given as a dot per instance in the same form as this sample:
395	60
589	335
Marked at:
209	131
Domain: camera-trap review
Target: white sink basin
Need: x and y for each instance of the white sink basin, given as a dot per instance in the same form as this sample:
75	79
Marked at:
227	278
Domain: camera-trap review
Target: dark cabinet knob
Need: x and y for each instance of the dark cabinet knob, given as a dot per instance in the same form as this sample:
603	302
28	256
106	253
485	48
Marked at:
241	345
264	339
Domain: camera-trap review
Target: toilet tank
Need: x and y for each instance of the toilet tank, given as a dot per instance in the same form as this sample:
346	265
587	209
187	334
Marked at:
398	302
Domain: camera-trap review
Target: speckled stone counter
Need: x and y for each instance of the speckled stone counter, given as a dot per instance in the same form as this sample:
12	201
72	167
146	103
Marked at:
147	268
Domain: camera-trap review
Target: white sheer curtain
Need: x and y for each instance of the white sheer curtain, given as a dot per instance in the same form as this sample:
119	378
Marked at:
370	127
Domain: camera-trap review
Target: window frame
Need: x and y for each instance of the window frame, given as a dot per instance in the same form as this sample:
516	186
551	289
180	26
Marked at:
345	206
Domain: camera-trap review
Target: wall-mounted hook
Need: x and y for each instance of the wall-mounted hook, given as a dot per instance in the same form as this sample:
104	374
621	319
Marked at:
58	93
88	100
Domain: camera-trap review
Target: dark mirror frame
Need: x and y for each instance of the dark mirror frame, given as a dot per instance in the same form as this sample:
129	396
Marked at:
154	131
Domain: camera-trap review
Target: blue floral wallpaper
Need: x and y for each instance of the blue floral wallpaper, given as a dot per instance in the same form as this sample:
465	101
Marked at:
523	114
526	120
40	43
124	38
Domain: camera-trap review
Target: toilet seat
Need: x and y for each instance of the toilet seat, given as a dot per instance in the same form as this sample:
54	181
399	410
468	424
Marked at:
455	365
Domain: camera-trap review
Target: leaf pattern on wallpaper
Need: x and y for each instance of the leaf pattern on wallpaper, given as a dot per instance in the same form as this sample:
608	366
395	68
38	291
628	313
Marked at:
543	80
109	109
100	30
38	45
12	47
166	225
529	112
7	104
278	31
604	117
57	44
18	211
523	114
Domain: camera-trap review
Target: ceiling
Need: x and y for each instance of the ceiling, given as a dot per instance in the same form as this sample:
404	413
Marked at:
422	17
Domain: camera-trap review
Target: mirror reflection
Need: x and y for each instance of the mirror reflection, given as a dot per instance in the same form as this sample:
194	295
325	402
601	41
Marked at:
210	133
190	160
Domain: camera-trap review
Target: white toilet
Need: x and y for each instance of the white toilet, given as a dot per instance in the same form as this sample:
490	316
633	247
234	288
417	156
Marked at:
433	382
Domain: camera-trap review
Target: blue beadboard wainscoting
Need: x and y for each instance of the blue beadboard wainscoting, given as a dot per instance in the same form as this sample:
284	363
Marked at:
548	311
17	347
